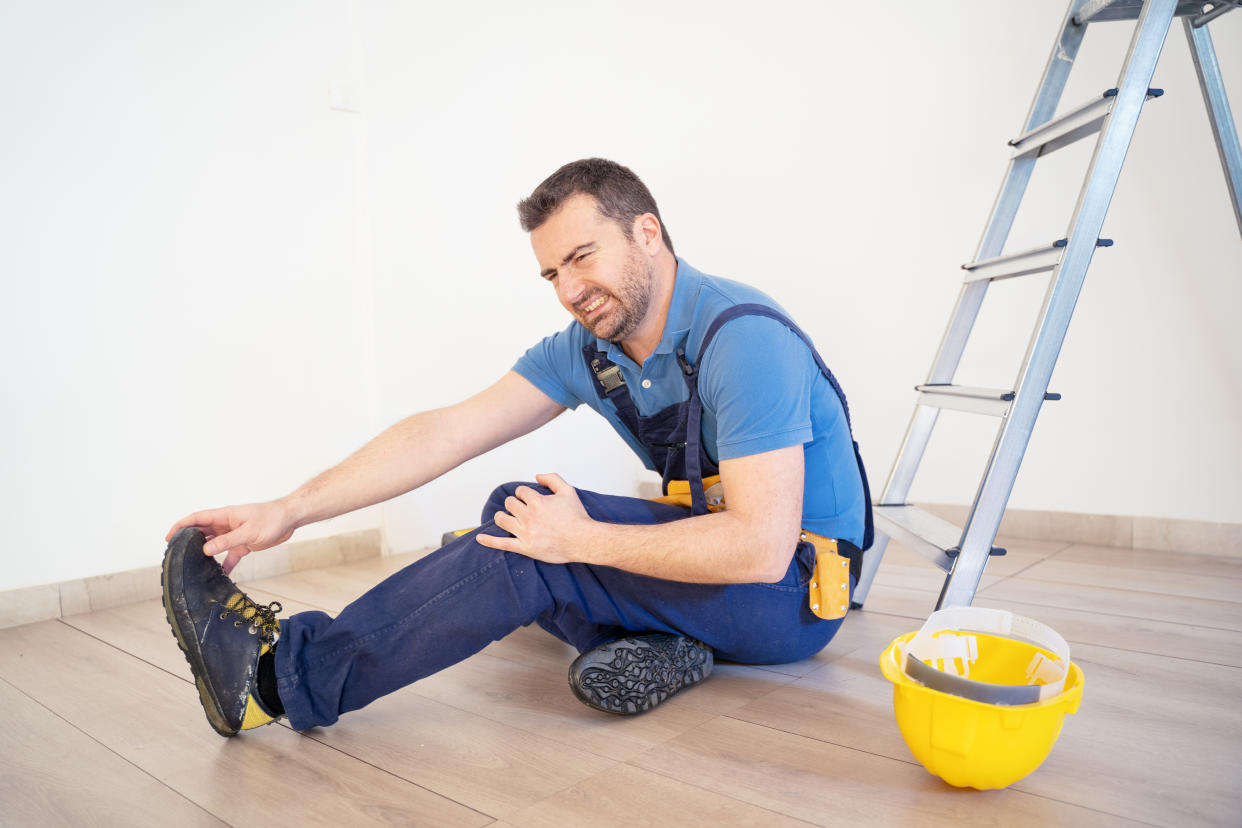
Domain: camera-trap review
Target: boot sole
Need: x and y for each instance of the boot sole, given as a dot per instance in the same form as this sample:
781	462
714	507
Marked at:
189	647
634	675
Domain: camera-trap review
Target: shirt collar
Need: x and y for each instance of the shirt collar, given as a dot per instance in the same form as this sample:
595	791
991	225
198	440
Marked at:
686	285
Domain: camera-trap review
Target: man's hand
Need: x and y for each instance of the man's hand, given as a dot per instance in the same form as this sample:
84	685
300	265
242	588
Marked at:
240	530
551	528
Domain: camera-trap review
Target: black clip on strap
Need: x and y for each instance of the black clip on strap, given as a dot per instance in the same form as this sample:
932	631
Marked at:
610	378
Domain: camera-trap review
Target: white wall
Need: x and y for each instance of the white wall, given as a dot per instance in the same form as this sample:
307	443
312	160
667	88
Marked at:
843	158
181	324
216	285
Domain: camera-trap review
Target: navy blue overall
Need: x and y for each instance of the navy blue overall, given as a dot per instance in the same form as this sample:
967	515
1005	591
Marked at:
456	600
673	436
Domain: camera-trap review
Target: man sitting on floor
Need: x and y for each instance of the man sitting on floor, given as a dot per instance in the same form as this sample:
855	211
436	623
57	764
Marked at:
751	558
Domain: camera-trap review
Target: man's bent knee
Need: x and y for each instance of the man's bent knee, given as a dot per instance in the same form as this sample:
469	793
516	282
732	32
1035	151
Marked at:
496	501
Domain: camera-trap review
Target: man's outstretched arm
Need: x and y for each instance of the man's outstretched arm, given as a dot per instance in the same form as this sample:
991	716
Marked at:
407	455
753	540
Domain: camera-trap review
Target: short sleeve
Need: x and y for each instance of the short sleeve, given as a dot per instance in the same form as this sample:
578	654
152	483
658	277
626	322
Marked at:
755	380
548	365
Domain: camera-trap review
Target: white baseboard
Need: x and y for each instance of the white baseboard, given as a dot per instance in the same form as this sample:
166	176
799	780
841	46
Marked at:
1161	534
41	603
47	601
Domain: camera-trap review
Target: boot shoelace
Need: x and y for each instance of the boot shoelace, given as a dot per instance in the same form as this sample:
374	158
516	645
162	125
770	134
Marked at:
262	618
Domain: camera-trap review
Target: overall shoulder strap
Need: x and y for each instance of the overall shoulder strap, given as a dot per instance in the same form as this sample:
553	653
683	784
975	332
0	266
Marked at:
610	385
754	309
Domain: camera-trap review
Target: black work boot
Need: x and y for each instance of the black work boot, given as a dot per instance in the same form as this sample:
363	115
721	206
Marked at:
633	675
221	631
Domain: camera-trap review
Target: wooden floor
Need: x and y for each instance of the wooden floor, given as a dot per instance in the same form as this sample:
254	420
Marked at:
102	724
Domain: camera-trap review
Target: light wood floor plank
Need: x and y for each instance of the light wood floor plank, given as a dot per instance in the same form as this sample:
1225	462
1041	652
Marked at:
491	767
53	774
923	577
1020	554
1178	609
1157	739
913	604
730	686
1028	546
531	698
481	762
535	647
1164	732
830	785
847	702
1081	626
1196	563
154	720
1168	581
630	796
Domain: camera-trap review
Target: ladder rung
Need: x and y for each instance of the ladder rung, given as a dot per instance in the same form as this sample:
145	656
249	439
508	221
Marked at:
937	540
921	531
1073	125
1059	132
966	398
994	401
1035	260
1099	11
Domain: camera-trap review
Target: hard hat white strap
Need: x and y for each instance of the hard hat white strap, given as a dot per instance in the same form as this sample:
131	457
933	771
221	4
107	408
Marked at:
947	652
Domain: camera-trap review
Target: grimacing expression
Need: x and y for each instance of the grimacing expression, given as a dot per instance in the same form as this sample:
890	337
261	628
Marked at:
600	274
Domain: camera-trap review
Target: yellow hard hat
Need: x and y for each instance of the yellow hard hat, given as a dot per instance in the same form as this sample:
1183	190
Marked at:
977	706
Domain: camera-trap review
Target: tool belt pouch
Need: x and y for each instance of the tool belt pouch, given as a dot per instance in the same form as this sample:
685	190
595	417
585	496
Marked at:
830	581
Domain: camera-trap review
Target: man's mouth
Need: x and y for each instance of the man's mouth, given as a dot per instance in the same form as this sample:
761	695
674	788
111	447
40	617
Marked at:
594	305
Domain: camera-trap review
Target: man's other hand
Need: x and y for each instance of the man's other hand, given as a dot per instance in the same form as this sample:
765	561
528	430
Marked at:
240	530
550	528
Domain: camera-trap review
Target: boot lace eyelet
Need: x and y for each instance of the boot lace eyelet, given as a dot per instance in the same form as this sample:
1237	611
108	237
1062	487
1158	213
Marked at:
261	619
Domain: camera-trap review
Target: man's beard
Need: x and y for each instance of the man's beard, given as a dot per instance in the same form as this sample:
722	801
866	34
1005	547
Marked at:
629	304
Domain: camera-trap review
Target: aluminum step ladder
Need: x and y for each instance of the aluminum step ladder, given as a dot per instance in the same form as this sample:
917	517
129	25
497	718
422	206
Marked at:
963	552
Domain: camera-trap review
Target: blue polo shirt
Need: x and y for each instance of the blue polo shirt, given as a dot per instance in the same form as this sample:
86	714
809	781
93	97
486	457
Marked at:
759	383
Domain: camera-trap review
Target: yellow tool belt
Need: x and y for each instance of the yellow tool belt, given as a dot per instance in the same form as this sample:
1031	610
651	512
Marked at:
679	494
829	589
830	581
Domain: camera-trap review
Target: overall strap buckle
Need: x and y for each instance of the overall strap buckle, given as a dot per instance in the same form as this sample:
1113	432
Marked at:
609	376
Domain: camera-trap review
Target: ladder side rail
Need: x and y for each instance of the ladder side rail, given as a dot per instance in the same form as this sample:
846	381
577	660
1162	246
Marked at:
1008	199
953	343
918	433
1043	107
970	298
870	565
1063	289
1207	67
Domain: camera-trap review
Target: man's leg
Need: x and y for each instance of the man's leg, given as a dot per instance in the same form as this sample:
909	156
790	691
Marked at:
655	652
749	623
435	612
458	599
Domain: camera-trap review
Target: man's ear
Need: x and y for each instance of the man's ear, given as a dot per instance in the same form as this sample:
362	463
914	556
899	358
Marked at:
648	234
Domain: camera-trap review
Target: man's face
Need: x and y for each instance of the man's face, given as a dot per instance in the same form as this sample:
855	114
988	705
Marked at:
600	273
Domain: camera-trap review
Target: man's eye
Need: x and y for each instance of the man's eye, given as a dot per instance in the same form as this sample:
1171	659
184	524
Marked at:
581	257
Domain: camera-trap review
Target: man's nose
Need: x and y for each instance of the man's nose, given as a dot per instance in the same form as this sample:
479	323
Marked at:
570	285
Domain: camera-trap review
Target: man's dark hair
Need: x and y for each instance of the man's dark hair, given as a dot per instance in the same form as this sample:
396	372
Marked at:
619	194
